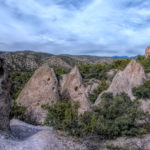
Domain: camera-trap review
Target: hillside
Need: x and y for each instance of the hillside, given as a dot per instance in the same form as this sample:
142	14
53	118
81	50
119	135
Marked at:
29	60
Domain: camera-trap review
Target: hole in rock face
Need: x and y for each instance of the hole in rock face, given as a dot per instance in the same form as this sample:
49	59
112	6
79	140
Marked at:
1	71
48	79
1	68
76	88
53	88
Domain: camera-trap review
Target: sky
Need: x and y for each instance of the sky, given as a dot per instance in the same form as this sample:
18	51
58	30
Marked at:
77	27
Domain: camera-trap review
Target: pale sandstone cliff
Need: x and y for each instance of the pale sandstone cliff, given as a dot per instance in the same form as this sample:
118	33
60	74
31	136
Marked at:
42	88
73	90
132	76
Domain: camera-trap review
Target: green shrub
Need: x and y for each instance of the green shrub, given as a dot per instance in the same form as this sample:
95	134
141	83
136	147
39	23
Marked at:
59	72
107	96
102	87
145	61
143	91
115	116
98	71
19	79
17	111
120	64
63	116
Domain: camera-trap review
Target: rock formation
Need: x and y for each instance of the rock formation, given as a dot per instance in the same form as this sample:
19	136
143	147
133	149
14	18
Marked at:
91	85
5	98
41	89
111	73
73	90
132	76
147	51
30	138
57	62
38	138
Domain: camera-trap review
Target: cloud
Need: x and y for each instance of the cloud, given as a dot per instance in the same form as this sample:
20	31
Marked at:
94	27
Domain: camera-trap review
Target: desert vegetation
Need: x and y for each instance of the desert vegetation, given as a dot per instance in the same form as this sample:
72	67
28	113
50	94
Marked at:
143	91
145	61
59	72
115	116
17	111
98	71
19	79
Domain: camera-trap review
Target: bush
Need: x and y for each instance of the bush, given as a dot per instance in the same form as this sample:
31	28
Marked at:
143	91
120	64
63	116
115	116
145	61
97	71
17	111
19	79
59	72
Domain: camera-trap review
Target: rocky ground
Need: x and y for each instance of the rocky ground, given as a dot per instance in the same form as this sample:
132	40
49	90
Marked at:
38	137
28	137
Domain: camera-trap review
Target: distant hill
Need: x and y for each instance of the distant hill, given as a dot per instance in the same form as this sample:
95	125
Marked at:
30	60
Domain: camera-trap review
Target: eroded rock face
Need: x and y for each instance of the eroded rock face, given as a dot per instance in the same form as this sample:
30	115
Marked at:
132	76
73	90
41	89
5	97
29	137
147	51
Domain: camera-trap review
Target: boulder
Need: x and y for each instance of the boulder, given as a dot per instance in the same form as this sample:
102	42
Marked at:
73	90
41	89
91	85
145	105
29	137
147	51
111	73
5	97
124	81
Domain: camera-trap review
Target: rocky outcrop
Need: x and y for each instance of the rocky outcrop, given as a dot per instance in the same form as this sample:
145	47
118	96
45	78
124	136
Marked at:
20	62
57	62
30	138
91	85
111	73
147	51
132	76
5	97
38	138
41	89
145	105
139	143
73	90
